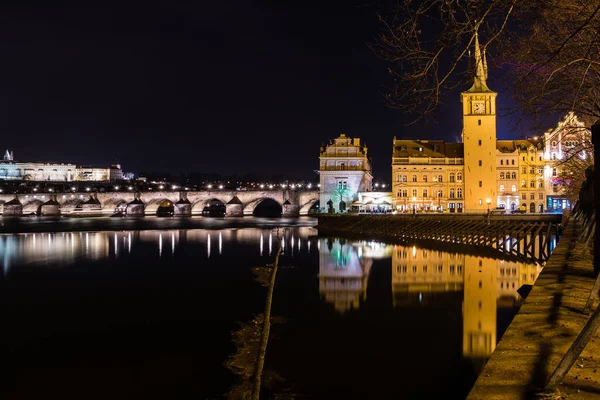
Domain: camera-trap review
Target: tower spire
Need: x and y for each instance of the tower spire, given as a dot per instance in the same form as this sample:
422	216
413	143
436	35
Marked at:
479	84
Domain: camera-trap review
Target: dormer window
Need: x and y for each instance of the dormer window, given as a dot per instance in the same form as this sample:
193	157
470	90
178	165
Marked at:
420	149
402	148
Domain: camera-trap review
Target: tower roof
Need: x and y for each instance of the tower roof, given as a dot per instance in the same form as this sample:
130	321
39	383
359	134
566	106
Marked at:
481	72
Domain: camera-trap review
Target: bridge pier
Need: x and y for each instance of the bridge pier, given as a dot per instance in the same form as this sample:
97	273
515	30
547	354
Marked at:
290	210
13	208
51	208
136	207
234	208
182	207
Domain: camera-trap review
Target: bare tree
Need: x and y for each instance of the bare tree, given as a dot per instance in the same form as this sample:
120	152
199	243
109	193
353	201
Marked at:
550	49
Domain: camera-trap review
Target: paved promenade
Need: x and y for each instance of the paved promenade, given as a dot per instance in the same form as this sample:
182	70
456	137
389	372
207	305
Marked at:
542	331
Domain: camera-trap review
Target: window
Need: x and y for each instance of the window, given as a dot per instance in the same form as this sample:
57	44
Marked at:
414	178
531	158
532	170
424	192
479	142
540	158
541	197
532	196
451	176
459	177
554	156
501	175
420	149
342	185
554	172
501	188
513	188
501	162
402	148
523	184
531	184
524	196
452	193
459	193
479	123
540	170
524	170
440	178
424	178
480	163
414	192
514	175
554	143
480	184
555	188
523	158
540	184
480	201
440	193
512	162
404	178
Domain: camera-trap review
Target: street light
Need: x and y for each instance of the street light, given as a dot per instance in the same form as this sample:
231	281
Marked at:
414	205
488	202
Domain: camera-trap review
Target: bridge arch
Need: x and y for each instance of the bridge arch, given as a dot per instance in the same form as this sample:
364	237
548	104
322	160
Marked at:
305	208
198	206
114	205
69	205
153	205
250	207
32	206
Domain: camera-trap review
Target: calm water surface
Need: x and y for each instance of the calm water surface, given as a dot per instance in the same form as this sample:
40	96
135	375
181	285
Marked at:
137	314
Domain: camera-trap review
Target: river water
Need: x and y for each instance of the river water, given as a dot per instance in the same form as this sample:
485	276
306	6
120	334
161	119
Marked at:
142	313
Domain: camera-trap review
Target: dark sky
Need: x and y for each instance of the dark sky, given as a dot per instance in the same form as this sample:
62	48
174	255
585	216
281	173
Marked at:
198	86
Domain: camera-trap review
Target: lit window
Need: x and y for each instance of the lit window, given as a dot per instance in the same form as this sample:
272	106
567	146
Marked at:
501	175
501	188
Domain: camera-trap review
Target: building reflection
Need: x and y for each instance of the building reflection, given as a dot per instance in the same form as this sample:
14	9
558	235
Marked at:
486	285
344	270
422	277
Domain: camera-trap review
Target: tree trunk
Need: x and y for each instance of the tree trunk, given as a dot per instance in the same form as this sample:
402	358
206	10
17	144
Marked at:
264	338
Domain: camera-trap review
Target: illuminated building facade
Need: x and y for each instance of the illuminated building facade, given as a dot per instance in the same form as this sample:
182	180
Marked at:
345	170
57	172
483	173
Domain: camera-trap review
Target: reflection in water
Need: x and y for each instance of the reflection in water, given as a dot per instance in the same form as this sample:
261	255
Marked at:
420	276
61	248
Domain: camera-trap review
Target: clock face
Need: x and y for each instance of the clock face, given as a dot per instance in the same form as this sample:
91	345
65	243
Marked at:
478	108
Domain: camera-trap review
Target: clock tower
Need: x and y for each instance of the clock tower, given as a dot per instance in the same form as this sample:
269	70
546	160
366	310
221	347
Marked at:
479	139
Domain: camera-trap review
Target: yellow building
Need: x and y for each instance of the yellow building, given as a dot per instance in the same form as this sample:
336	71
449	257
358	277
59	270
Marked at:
427	175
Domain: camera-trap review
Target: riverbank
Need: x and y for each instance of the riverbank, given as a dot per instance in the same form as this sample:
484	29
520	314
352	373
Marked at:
543	330
99	224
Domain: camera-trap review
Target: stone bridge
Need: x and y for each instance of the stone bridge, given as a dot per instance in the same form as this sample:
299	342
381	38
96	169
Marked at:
185	203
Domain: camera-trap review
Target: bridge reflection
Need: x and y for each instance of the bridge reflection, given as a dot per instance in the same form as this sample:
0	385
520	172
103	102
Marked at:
427	278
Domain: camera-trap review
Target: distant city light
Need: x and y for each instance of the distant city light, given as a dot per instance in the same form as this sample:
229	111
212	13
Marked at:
174	187
116	188
161	187
73	188
51	190
220	186
309	186
262	186
283	185
292	186
270	186
377	185
318	185
87	189
209	186
35	189
383	185
130	188
1	190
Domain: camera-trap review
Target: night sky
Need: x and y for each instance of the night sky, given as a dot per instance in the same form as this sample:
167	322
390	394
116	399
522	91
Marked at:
221	86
